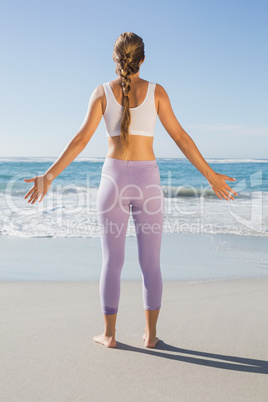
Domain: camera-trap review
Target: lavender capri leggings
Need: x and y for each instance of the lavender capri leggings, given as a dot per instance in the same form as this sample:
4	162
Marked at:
124	183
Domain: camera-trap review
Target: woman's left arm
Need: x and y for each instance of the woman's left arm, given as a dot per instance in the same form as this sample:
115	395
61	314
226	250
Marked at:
72	150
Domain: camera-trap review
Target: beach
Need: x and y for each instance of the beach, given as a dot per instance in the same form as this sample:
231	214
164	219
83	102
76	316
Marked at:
212	324
213	343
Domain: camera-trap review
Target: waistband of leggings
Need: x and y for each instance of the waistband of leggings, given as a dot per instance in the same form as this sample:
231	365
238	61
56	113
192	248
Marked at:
129	163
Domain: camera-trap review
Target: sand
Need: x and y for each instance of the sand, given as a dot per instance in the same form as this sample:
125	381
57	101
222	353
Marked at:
213	343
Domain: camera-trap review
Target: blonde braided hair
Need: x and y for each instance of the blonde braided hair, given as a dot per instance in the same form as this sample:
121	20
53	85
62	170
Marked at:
128	53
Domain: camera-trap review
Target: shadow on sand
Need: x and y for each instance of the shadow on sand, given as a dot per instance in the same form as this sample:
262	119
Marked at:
204	359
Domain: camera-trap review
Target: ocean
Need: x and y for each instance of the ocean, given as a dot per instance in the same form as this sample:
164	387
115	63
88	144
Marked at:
191	206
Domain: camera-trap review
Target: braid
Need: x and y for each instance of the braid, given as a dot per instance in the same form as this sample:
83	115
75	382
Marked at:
128	52
126	118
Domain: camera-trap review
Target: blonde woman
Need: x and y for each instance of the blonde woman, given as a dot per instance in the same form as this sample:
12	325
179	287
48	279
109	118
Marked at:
130	180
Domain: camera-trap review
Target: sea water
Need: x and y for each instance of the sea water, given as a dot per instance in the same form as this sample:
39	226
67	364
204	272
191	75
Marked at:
191	206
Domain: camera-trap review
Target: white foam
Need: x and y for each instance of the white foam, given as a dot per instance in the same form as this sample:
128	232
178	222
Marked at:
75	215
236	160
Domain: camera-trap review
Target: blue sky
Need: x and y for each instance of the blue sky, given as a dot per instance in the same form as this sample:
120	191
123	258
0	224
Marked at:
210	56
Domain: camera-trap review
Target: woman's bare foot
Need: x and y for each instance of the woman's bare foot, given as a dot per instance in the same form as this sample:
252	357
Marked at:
150	343
108	341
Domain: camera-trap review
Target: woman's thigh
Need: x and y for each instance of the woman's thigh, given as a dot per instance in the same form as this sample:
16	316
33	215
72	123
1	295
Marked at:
112	214
148	216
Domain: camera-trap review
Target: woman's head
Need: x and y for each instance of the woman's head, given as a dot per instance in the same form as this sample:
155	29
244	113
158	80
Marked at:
128	54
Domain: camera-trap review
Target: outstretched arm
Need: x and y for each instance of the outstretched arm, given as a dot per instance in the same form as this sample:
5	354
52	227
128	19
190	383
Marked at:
188	146
72	150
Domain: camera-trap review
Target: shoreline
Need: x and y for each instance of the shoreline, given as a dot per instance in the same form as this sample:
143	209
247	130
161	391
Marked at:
184	257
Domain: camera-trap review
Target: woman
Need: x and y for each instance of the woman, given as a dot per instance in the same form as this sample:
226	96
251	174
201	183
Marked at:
130	177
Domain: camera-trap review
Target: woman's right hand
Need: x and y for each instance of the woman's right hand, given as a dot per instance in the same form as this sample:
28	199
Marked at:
40	188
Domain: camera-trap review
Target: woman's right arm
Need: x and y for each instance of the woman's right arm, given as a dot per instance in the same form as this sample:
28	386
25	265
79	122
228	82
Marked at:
72	150
188	146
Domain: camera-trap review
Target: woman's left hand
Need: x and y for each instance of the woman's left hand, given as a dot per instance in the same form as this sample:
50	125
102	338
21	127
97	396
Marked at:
220	187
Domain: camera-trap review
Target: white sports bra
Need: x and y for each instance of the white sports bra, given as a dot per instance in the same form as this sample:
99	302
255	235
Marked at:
143	117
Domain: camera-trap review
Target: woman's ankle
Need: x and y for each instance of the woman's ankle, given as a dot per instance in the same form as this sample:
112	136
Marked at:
109	325
151	322
109	333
